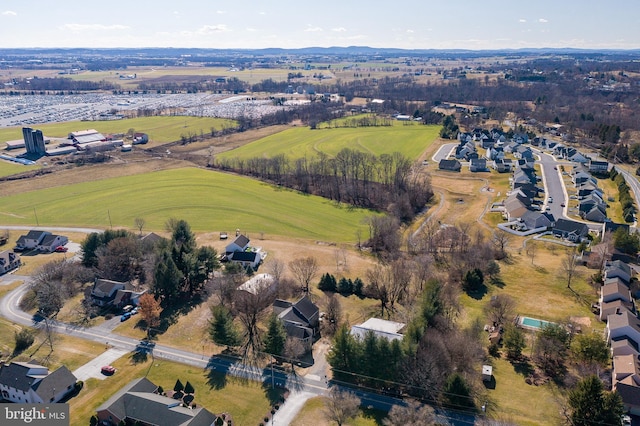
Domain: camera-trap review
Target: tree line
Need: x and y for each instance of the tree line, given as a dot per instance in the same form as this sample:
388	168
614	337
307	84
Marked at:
387	182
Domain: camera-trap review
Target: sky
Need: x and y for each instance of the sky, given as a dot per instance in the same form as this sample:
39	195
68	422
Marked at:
251	24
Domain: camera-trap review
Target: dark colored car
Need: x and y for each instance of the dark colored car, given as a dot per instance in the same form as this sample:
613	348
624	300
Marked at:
125	316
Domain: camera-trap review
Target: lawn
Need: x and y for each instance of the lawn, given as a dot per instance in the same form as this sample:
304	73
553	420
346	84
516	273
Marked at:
312	414
207	200
160	129
410	140
8	168
214	392
614	208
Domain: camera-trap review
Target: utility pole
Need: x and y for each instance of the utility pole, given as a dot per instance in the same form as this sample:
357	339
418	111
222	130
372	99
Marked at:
36	215
109	214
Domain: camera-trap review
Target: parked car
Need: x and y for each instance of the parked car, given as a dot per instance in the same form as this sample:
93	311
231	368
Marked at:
108	370
551	199
125	316
61	249
562	205
134	311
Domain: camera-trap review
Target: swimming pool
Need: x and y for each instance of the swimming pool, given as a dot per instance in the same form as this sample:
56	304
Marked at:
532	323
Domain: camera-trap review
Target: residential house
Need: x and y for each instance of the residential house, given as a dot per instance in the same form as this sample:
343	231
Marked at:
29	382
478	165
580	177
40	240
104	292
589	188
8	261
597	213
615	297
611	227
630	398
390	330
622	325
619	269
450	165
613	307
624	347
600	167
139	402
502	166
625	370
537	220
246	259
240	243
522	152
258	284
301	319
570	230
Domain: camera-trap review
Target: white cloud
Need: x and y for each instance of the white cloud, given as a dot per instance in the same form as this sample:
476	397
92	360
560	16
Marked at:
9	13
312	29
542	21
212	29
339	30
251	30
522	20
220	12
410	31
93	27
262	13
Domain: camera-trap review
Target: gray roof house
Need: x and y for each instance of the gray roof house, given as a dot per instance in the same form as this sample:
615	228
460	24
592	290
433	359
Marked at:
536	220
240	243
139	402
619	269
478	165
570	230
104	292
390	330
8	261
451	165
301	319
29	382
621	325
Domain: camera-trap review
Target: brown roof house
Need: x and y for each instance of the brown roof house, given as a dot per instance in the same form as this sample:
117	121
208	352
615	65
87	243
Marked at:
301	319
138	403
29	382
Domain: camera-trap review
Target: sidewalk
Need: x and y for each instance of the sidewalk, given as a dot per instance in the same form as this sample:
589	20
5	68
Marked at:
291	407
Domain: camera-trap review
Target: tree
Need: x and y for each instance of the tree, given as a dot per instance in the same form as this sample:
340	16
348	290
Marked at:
150	310
531	250
590	349
304	270
120	259
412	414
332	316
249	309
221	327
499	309
23	340
274	340
139	222
550	349
590	404
473	280
570	265
341	406
167	279
513	341
178	387
457	393
188	388
501	241
327	283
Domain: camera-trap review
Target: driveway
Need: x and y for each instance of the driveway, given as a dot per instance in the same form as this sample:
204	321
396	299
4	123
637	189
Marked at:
443	152
92	368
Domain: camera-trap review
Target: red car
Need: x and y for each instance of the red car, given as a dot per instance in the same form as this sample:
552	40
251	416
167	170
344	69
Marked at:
108	370
61	249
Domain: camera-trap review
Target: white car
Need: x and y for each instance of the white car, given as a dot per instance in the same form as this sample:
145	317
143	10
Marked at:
551	199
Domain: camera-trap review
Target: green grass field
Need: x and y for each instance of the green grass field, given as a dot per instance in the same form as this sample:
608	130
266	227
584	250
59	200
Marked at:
209	201
160	129
8	168
410	140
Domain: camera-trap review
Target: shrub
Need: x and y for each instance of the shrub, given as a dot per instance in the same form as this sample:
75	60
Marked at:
24	339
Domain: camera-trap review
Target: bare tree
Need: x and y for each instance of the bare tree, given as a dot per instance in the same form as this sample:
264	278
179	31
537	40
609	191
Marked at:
293	350
499	309
139	222
501	241
341	406
333	315
412	414
250	308
570	265
532	249
275	267
304	270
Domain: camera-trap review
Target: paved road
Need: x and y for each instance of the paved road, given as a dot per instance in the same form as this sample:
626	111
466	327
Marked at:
633	183
443	152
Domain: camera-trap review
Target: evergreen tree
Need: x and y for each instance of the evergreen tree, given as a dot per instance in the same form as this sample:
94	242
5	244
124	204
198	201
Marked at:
275	338
327	283
188	388
221	327
457	393
514	341
590	404
358	285
345	286
343	356
178	387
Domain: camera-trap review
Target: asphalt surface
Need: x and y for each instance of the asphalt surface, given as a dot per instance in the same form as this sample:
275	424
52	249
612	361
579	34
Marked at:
443	152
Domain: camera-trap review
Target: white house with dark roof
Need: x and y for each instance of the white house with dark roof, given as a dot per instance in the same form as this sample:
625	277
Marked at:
40	240
29	382
8	261
240	243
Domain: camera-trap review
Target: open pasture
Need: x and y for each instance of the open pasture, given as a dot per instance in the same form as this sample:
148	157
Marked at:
209	201
160	129
410	140
8	168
